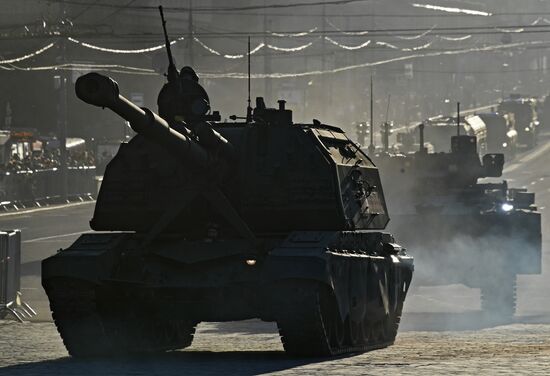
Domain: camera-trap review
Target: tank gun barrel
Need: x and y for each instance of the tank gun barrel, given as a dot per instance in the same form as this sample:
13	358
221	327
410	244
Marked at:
102	91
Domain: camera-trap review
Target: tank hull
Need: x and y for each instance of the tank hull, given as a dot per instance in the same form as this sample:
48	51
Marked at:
363	276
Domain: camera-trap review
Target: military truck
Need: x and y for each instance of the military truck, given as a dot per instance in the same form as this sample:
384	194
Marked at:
525	118
501	133
438	131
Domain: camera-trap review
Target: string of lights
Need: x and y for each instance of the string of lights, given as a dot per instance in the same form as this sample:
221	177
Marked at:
241	75
123	51
400	33
470	12
330	40
454	39
227	56
359	33
358	47
294	35
254	50
386	44
518	30
211	50
490	48
289	49
80	67
418	36
27	56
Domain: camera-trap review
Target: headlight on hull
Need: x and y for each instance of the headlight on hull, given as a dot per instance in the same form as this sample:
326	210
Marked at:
507	207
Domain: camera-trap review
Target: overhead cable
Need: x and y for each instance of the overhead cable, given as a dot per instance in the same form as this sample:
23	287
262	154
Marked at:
198	9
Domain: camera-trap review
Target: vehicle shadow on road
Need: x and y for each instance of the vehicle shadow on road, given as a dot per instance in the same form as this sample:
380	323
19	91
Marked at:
178	362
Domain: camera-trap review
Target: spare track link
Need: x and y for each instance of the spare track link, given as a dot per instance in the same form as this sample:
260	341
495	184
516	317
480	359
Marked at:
88	332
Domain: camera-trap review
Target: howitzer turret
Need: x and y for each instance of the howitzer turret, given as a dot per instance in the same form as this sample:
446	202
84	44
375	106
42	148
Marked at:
229	221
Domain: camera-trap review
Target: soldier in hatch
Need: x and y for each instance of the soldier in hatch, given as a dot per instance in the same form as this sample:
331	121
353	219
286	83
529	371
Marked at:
183	99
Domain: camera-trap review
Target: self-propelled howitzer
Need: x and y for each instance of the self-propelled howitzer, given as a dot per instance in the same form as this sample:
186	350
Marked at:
220	221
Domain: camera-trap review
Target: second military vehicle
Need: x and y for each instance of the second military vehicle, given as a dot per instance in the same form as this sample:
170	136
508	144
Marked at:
478	234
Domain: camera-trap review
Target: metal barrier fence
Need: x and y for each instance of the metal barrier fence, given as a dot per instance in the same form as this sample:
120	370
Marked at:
38	185
10	277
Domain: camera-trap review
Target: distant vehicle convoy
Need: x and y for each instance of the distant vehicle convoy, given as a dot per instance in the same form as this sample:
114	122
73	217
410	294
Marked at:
510	126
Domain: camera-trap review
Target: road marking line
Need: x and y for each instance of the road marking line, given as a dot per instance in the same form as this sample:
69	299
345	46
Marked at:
54	207
527	158
57	236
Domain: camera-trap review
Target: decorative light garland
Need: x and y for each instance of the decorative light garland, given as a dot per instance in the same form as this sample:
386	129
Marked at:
346	47
454	39
28	56
119	51
452	9
345	32
294	35
416	36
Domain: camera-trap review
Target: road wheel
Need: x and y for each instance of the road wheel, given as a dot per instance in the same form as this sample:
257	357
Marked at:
308	319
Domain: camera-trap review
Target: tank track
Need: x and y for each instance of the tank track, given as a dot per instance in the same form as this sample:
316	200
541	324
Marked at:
498	298
90	328
309	324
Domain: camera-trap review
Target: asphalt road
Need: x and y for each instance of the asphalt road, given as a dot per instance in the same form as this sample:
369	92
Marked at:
254	348
441	332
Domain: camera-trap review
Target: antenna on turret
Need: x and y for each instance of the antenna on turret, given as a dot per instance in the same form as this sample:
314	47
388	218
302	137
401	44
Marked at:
458	118
172	70
371	148
249	107
421	141
387	127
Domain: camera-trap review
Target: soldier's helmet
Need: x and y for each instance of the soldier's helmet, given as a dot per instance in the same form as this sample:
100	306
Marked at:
187	73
